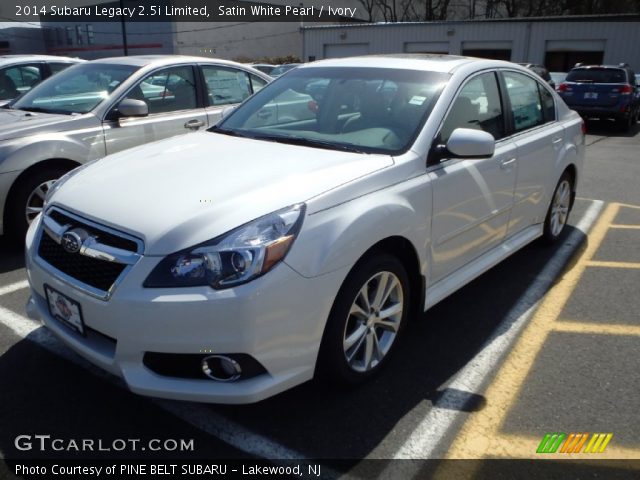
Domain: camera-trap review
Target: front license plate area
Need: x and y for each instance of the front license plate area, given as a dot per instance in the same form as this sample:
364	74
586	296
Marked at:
64	309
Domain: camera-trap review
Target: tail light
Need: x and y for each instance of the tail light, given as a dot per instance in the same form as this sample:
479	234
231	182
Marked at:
563	87
583	127
626	89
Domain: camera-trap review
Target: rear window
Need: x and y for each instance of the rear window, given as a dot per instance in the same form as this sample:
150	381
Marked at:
597	75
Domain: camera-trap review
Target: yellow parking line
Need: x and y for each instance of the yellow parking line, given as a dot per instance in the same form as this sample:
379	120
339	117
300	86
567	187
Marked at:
626	205
596	328
597	263
627	227
521	446
478	436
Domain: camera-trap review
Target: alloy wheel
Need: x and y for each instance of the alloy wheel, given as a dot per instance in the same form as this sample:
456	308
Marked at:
35	201
373	321
560	207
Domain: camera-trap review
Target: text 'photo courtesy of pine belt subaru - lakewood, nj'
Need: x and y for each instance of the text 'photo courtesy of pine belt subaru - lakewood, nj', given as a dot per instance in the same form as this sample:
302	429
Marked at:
101	107
296	236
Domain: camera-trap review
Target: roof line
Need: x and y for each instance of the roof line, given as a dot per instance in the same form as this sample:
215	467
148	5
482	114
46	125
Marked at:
615	17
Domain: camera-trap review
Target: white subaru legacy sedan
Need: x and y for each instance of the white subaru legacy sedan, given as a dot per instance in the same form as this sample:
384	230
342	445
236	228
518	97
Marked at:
301	233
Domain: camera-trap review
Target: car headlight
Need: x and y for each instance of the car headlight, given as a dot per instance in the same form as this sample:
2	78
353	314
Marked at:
236	257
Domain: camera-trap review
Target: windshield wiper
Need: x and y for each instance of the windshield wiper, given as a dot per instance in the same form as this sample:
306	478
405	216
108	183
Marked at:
45	110
311	142
232	133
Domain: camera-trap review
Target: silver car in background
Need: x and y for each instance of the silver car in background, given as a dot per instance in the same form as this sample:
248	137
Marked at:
101	107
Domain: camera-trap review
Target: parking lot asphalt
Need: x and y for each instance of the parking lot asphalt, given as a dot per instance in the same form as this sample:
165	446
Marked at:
522	351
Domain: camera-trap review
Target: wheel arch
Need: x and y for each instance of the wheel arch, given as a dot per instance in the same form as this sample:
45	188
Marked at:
64	163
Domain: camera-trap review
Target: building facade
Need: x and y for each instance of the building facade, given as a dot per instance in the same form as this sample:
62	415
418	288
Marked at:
557	43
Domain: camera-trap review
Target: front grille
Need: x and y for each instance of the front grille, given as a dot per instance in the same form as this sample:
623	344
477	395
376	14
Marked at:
95	273
101	235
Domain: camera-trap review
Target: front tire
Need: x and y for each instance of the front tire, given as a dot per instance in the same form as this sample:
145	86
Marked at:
366	320
27	199
558	213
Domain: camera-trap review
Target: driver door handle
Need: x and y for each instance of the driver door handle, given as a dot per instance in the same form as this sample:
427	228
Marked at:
194	124
504	164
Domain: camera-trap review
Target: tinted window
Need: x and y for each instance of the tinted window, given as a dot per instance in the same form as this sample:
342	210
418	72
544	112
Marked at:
548	104
477	106
18	79
226	86
257	83
168	90
525	100
597	75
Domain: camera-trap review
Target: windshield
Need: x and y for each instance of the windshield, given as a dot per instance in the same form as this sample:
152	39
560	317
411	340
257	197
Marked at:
78	89
597	75
373	110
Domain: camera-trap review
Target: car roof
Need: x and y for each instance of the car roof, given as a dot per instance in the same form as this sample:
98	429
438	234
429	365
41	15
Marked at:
428	62
11	59
159	60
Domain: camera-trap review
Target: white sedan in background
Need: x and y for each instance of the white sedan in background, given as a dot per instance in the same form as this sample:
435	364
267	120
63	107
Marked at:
300	234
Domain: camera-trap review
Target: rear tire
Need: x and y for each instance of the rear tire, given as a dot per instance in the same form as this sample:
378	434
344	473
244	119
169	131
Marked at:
27	200
626	124
366	320
558	212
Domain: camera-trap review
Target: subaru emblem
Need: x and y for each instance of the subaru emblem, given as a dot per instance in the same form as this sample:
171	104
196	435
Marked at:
72	240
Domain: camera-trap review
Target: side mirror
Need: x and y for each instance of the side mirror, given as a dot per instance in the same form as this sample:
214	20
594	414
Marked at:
130	107
468	143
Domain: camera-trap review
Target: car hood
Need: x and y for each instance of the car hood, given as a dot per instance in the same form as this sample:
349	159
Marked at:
182	191
18	123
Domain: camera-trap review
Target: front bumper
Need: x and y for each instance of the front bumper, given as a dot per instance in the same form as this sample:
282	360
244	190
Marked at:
278	319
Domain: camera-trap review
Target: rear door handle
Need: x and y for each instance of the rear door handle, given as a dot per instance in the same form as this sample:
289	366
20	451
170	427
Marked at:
505	164
556	141
194	124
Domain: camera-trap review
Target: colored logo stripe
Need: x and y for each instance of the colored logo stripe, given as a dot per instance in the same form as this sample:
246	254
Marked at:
550	443
574	442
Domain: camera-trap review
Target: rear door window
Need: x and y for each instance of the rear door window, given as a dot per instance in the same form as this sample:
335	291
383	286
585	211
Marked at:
226	86
525	100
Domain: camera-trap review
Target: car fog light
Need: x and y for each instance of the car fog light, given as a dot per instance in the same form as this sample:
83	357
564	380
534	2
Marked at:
221	368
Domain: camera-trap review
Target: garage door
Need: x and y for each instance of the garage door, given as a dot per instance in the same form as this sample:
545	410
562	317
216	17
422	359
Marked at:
345	50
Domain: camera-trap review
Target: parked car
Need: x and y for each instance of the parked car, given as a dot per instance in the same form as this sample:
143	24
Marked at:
541	71
263	67
604	92
280	69
101	107
20	73
558	78
232	264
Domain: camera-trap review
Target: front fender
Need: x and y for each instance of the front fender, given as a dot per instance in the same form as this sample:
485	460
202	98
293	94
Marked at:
339	236
81	147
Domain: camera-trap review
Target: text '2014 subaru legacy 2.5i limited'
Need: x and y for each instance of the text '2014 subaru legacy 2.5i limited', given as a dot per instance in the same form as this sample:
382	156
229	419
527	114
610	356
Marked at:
296	235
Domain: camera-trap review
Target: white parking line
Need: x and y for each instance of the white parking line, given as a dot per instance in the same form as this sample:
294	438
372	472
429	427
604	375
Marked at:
14	287
195	414
430	432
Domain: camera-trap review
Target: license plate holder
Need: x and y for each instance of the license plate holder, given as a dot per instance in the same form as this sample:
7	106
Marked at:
65	310
592	95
